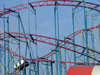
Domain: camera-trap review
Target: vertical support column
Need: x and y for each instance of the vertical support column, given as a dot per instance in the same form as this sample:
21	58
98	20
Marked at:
24	72
59	53
26	44
99	31
37	71
93	47
65	55
51	68
4	41
0	56
8	46
93	43
19	41
29	38
47	71
83	43
99	37
73	37
86	37
38	67
56	41
51	63
11	56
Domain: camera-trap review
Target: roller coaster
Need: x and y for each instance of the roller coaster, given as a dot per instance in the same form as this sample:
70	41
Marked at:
19	47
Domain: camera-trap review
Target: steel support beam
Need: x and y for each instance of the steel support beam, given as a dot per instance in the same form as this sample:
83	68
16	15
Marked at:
83	45
8	46
99	36
47	70
19	43
29	37
65	56
55	8
86	36
59	51
73	37
0	56
37	71
4	41
51	63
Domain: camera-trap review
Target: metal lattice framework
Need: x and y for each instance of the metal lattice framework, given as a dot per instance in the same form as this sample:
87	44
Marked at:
51	41
52	3
78	50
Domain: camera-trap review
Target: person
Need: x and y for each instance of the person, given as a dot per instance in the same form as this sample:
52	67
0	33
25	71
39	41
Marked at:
22	61
15	65
18	63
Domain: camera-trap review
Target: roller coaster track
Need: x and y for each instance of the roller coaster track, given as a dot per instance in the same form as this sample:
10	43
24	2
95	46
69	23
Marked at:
89	5
39	60
51	41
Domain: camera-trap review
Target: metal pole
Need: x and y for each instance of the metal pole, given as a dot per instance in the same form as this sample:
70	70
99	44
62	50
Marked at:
93	43
29	37
86	37
47	71
8	46
26	43
73	37
99	37
99	32
19	41
38	67
13	61
59	53
37	72
83	43
51	63
0	56
25	59
65	55
4	41
55	41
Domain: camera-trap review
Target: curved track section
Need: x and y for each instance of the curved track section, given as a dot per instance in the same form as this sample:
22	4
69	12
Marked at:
39	60
89	5
51	41
71	36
